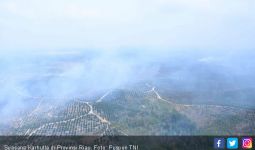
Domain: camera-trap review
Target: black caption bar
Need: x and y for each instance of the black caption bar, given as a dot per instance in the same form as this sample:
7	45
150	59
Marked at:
106	142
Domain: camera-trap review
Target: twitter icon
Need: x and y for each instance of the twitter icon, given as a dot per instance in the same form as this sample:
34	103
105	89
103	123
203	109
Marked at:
232	143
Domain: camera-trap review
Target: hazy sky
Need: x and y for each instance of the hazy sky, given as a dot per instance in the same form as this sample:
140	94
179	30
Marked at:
115	24
105	25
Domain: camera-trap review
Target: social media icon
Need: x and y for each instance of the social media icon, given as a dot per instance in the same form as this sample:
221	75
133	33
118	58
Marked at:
246	143
232	143
219	143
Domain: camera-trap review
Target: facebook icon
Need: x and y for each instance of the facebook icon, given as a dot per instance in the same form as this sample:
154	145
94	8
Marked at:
219	143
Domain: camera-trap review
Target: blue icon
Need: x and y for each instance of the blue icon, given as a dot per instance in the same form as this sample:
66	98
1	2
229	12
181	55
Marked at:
219	143
232	143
